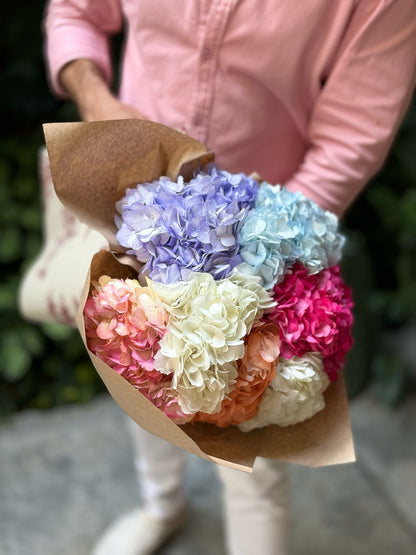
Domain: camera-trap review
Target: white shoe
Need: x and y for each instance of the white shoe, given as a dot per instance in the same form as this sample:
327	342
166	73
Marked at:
138	533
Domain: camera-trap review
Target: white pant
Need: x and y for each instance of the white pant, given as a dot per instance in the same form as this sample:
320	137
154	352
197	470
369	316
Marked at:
255	504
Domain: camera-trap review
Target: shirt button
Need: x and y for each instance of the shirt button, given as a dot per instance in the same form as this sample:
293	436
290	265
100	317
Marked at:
197	119
206	53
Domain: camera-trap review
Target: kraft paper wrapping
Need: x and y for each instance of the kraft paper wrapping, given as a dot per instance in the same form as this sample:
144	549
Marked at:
92	165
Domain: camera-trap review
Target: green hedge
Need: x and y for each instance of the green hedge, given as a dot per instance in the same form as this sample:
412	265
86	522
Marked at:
380	265
43	366
39	366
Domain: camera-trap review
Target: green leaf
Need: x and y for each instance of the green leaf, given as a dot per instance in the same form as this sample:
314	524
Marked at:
71	394
32	340
32	246
31	218
8	295
85	373
10	245
386	202
11	216
58	332
4	176
42	400
26	187
15	358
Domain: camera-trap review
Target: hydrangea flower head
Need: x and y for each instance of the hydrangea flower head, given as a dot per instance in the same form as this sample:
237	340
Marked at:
285	227
294	395
159	393
313	312
176	228
124	323
255	371
208	323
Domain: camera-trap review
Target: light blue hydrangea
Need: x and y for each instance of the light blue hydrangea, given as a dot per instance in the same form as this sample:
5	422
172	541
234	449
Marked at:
283	228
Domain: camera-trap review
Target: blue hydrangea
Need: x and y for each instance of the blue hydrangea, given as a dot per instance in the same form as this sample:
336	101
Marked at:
175	228
283	228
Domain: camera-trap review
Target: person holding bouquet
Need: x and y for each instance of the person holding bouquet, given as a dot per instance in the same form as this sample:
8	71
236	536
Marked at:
310	95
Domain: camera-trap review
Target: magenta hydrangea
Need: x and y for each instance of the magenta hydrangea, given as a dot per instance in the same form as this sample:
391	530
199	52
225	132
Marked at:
314	314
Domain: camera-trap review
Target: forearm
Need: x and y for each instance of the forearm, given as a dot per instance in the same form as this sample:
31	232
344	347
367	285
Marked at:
358	111
84	82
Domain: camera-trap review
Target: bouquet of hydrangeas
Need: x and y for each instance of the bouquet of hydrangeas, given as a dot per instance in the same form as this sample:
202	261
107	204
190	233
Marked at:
233	310
243	319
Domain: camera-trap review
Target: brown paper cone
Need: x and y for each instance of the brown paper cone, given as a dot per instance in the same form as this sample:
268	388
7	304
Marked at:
322	440
94	163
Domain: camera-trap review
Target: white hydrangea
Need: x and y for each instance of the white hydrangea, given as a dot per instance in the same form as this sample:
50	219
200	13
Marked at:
261	301
205	337
295	394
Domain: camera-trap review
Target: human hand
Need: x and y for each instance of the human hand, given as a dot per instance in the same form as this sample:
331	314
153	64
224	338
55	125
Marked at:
106	107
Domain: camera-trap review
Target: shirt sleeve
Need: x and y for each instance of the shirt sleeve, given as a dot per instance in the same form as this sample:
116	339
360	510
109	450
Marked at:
361	104
77	29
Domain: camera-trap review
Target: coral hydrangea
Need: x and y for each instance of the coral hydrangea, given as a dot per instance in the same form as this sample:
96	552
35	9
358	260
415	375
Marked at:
295	394
255	371
313	313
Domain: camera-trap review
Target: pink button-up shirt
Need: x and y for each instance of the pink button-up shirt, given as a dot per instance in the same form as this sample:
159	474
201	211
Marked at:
309	94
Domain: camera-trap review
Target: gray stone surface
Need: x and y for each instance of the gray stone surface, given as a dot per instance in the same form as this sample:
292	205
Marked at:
64	475
385	439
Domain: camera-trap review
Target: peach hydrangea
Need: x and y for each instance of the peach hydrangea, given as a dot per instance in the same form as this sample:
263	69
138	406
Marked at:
294	395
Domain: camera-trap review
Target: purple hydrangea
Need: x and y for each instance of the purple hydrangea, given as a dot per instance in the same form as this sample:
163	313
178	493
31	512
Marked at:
178	228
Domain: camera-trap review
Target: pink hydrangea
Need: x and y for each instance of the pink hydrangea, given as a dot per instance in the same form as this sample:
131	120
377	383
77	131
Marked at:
160	393
124	323
314	314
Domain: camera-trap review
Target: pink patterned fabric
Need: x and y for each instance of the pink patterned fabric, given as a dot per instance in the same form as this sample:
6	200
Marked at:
51	290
